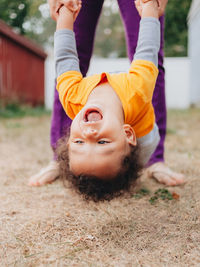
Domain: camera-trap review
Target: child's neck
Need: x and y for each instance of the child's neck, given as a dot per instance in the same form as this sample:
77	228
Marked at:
105	95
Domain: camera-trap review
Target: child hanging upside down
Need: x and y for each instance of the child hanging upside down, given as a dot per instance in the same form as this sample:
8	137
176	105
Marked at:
113	132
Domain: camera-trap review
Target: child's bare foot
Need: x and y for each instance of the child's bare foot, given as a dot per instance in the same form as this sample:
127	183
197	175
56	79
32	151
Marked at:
46	175
163	174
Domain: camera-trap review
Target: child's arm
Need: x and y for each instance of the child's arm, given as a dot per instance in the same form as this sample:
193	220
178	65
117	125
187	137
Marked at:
68	72
66	57
149	34
147	50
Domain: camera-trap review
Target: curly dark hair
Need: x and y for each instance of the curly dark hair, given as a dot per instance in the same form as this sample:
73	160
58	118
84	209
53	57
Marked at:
93	188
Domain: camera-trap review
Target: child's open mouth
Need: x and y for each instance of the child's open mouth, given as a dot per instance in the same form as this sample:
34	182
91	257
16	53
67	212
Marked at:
92	115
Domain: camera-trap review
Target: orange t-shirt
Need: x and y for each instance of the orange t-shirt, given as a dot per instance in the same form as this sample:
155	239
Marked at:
134	89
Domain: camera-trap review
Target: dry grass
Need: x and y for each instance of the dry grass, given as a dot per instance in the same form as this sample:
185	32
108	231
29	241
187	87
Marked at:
52	226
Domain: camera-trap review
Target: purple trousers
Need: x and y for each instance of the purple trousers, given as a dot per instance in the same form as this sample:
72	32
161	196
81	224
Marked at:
84	29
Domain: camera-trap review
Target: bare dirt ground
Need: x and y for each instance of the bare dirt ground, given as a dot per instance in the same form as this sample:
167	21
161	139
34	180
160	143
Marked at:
52	226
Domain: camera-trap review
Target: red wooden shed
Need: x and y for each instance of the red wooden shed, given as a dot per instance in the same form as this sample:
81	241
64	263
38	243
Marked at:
21	68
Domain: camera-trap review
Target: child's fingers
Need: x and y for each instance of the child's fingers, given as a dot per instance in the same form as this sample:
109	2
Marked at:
78	10
72	5
145	1
138	7
58	9
79	5
162	5
137	3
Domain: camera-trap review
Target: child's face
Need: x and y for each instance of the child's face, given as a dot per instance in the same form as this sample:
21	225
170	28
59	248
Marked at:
98	142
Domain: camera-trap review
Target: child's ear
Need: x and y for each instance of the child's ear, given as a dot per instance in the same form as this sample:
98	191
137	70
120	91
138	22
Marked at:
130	134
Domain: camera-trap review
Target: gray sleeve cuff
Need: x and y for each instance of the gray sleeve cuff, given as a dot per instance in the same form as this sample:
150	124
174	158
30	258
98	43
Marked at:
149	40
148	144
65	54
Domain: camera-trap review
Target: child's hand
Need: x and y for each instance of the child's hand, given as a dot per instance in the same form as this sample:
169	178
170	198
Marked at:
73	6
67	14
143	4
147	8
55	5
76	12
161	7
138	7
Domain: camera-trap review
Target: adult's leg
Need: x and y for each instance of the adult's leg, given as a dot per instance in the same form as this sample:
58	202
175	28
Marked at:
131	21
159	103
84	28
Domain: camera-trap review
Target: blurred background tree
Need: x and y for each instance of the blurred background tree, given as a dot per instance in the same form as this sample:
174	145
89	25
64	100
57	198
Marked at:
176	35
110	37
31	17
110	33
14	13
38	24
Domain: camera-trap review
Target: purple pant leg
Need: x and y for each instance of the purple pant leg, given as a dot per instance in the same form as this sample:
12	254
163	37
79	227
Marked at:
84	28
131	21
159	103
60	122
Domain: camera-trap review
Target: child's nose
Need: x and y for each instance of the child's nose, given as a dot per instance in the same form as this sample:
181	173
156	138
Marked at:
89	132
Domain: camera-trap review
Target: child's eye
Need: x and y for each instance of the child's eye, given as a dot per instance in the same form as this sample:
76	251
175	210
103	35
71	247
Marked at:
78	142
101	142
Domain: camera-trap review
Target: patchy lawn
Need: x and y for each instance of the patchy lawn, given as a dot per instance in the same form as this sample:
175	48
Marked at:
52	226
